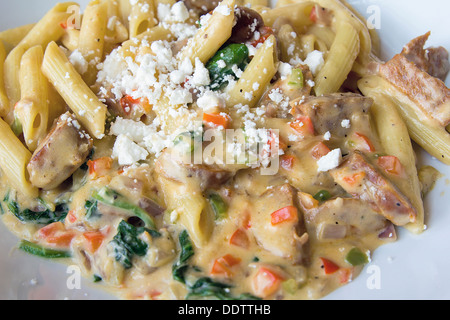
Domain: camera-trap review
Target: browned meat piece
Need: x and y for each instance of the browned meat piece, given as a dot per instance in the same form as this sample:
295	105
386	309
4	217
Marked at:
362	180
201	6
429	93
287	239
341	217
327	112
434	61
248	21
62	152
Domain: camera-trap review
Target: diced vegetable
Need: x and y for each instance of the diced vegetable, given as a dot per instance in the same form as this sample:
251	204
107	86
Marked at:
99	167
356	257
240	239
218	205
363	143
217	120
266	282
287	162
345	275
113	198
290	286
56	234
355	178
94	240
187	251
296	79
303	125
391	165
221	66
128	102
92	211
320	150
37	250
265	32
223	265
322	195
329	266
285	214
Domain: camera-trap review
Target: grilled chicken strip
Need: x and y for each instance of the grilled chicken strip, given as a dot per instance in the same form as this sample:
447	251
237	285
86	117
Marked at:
362	180
62	152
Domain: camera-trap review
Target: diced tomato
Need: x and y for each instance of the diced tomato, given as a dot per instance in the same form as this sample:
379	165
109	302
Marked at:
329	266
345	275
56	234
266	282
128	102
313	15
287	162
285	214
240	239
275	142
93	240
71	216
391	165
63	25
265	32
222	266
99	167
217	119
364	143
320	150
354	179
303	125
247	223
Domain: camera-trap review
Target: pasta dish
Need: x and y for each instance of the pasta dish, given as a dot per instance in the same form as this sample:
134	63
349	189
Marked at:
215	149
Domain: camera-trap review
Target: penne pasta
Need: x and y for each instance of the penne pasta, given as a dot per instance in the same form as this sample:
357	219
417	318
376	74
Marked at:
394	136
14	158
254	81
4	103
212	36
12	37
46	30
92	38
142	17
77	94
32	111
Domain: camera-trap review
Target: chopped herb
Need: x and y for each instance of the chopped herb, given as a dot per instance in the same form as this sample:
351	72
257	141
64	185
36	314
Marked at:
218	205
37	250
322	195
187	251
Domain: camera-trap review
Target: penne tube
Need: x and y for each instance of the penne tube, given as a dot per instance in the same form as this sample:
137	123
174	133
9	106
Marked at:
12	37
290	44
395	139
14	157
142	17
75	92
71	39
32	109
256	77
431	137
92	38
211	36
4	102
340	59
48	29
298	14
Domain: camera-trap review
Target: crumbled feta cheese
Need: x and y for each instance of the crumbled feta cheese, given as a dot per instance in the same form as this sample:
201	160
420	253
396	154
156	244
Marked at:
327	136
330	161
345	123
314	61
78	61
127	151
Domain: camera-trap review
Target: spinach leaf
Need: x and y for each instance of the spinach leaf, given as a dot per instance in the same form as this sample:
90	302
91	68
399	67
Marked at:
206	287
92	211
187	251
221	65
126	243
38	217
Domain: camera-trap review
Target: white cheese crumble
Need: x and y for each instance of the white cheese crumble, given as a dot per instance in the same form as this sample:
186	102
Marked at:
345	123
315	61
330	161
127	152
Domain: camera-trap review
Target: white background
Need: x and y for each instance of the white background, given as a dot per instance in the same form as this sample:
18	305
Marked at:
415	267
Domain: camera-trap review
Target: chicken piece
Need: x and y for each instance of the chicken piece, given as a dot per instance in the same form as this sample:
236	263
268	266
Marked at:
434	61
362	180
284	236
63	151
429	93
201	6
340	218
327	112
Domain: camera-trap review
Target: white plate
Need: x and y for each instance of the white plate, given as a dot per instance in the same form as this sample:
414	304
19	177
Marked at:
415	267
